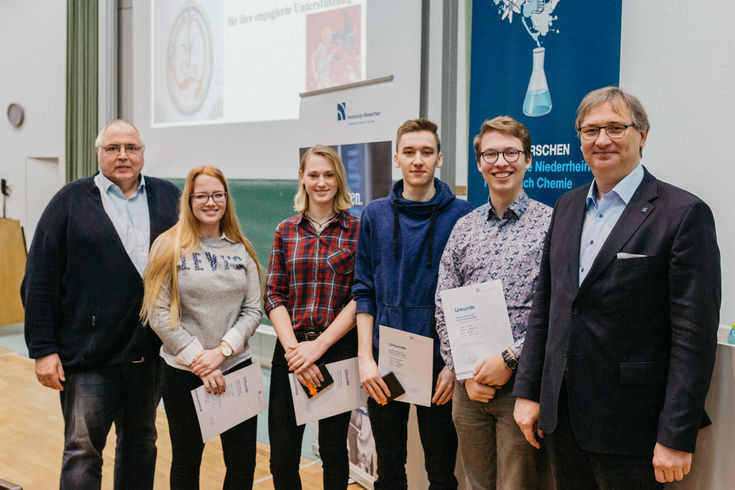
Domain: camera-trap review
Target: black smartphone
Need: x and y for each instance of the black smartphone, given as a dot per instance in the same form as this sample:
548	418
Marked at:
328	380
395	387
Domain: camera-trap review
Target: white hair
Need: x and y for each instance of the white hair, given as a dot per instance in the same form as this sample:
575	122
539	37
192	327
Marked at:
98	140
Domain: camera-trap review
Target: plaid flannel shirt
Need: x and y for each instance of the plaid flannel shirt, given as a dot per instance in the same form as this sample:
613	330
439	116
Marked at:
309	273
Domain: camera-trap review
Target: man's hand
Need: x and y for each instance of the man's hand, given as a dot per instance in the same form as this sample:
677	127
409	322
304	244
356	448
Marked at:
207	361
526	414
372	382
492	371
214	382
478	391
670	464
49	371
304	355
444	387
310	376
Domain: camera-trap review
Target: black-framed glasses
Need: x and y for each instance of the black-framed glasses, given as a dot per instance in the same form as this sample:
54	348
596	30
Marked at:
203	197
613	131
129	149
510	156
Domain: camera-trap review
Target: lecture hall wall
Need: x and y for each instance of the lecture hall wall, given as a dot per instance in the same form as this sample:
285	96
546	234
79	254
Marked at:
676	56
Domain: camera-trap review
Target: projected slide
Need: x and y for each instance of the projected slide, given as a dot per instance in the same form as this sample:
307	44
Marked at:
333	48
228	61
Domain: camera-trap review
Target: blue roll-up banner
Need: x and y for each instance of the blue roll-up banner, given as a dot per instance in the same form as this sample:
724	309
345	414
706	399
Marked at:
534	60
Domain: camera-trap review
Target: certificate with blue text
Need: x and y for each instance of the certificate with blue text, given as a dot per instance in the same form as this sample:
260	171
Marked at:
243	398
477	324
344	395
407	355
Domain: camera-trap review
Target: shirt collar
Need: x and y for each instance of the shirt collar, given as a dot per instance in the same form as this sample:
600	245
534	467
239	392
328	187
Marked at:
517	208
105	184
212	241
624	189
341	219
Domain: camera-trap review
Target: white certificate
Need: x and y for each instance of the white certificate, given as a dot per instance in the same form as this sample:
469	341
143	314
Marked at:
344	395
243	398
410	357
477	324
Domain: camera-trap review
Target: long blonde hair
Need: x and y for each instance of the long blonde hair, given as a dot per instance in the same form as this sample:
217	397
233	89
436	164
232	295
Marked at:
342	200
181	239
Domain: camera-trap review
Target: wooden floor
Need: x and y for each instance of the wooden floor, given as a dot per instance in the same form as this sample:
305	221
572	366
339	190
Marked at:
31	439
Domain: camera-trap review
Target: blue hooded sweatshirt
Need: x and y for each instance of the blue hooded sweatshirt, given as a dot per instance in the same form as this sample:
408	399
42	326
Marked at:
398	253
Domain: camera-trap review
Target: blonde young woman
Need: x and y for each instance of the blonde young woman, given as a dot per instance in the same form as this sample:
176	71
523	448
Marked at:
202	298
309	302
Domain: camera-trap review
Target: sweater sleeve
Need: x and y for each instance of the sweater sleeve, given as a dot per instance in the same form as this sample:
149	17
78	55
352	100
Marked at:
177	340
363	288
41	290
249	318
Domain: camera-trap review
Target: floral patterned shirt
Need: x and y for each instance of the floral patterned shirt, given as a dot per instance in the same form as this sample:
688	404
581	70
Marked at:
484	247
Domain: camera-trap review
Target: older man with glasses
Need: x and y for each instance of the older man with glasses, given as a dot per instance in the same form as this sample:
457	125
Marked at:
82	293
621	339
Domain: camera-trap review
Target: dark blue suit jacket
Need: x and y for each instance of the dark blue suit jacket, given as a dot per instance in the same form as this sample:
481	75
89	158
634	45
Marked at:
637	338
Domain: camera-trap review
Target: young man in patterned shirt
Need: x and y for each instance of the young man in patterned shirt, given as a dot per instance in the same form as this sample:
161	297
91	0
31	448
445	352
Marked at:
500	240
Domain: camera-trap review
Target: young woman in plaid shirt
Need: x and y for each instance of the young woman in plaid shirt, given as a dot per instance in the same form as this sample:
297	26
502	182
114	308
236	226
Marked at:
308	299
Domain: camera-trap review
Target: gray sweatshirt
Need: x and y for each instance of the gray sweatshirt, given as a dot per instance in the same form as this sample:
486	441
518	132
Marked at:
220	300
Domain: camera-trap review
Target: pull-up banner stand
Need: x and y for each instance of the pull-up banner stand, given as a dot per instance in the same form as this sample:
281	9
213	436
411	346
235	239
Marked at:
534	60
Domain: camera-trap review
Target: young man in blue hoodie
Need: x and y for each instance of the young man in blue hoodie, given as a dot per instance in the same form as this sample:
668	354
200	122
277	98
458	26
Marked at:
401	241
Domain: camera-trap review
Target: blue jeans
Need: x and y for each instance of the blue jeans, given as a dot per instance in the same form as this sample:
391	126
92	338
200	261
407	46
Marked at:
495	454
238	443
285	436
438	438
92	400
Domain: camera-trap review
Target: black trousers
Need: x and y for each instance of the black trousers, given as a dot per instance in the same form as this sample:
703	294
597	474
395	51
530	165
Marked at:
438	438
238	443
285	436
574	468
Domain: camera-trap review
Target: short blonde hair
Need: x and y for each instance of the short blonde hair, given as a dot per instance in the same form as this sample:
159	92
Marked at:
342	200
504	125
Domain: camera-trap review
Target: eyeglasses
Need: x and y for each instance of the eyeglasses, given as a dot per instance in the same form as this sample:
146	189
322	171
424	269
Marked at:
510	156
115	149
613	131
203	197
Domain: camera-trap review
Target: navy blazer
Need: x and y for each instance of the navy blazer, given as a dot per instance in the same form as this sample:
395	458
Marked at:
637	338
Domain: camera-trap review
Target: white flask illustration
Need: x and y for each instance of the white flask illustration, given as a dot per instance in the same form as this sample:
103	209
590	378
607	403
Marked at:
538	100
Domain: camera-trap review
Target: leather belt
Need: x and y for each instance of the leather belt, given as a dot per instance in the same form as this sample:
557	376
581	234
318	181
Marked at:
304	335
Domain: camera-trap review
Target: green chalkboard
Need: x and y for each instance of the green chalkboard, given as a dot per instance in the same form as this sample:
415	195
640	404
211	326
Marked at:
260	206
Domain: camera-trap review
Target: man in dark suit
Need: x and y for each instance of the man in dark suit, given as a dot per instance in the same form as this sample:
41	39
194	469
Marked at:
621	339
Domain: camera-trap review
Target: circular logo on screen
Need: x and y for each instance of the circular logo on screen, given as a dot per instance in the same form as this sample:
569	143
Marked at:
189	59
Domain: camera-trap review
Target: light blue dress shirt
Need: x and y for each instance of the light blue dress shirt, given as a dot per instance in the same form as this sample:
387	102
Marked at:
130	218
601	216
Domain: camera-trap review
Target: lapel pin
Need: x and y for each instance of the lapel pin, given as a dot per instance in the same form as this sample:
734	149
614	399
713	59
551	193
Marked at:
644	210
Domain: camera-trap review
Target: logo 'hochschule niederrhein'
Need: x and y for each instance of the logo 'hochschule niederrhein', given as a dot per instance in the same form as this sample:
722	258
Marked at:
356	118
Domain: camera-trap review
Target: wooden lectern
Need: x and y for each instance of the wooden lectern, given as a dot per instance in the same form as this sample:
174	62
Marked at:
12	268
